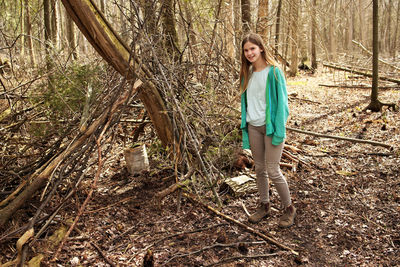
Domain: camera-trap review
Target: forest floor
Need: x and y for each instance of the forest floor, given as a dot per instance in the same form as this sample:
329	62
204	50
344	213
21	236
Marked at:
348	200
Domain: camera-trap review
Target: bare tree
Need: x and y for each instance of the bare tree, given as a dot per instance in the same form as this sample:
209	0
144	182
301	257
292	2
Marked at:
262	20
313	35
294	37
375	105
246	16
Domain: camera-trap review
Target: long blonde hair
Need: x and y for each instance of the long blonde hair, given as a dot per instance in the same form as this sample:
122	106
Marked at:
256	39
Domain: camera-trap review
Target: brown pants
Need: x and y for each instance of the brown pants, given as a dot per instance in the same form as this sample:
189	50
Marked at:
266	160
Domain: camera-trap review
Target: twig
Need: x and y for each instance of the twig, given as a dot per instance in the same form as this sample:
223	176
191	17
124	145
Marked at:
216	245
102	254
248	228
173	235
245	257
341	138
82	208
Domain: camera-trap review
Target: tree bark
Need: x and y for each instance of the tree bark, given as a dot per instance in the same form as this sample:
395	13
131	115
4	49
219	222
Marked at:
262	21
71	37
169	26
375	104
294	29
277	26
246	16
314	64
28	33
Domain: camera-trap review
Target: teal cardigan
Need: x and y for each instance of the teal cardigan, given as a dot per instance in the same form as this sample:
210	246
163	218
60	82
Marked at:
277	110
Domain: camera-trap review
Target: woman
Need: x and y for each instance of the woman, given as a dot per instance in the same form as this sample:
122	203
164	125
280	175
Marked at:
264	115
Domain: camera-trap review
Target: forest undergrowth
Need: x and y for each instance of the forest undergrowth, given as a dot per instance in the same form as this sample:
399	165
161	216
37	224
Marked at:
347	196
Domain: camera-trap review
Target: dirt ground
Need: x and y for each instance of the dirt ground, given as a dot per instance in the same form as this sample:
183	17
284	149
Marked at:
348	200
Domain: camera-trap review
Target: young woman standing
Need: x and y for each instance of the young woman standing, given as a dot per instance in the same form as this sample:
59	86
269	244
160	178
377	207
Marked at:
265	111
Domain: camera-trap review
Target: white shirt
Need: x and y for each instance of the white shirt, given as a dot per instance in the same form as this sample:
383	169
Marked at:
256	102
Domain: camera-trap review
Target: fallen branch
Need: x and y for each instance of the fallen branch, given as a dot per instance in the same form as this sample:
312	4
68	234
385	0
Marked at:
173	235
216	245
360	72
354	140
235	258
370	53
359	86
248	228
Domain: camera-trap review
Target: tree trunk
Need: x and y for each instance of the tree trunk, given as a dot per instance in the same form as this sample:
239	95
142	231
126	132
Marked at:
361	14
169	26
394	46
332	35
54	24
71	37
22	25
262	21
28	33
314	64
277	27
246	16
48	40
294	28
236	25
375	104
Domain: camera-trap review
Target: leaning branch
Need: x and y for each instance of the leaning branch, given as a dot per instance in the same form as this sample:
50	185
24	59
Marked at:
370	53
360	72
354	140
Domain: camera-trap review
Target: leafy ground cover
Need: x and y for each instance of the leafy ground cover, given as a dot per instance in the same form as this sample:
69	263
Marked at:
348	199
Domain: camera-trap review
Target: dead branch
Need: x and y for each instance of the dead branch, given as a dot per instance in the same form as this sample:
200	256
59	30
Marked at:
383	78
39	178
216	245
354	140
359	86
248	228
245	257
370	53
173	235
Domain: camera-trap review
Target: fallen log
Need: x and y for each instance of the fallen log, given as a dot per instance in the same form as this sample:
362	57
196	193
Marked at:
354	140
383	78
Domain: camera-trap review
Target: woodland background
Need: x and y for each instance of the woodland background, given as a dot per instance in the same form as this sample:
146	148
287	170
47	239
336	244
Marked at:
70	104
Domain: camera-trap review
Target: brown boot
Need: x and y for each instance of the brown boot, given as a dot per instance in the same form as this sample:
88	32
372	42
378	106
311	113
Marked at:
261	212
288	216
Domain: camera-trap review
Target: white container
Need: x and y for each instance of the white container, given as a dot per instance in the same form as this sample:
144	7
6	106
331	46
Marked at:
136	159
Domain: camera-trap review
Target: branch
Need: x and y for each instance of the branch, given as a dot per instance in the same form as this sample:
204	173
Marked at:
248	228
354	140
370	53
360	72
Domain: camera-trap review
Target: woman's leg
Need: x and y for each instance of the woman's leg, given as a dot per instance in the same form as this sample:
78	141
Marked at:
273	156
257	146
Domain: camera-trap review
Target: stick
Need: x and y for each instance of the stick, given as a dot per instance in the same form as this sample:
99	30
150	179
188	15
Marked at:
176	234
370	53
214	246
357	86
360	72
244	257
341	138
248	228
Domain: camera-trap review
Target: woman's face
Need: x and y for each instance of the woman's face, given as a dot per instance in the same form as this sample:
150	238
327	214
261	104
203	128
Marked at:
252	52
